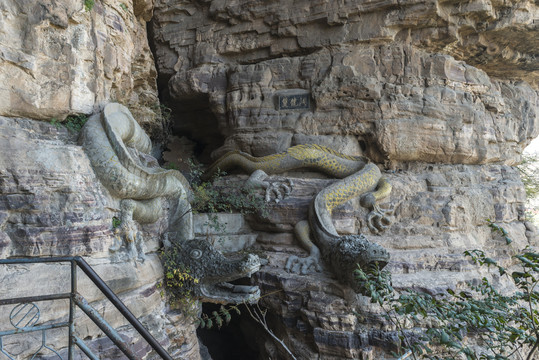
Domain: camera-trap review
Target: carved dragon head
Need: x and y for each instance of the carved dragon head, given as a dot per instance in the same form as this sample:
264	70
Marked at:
215	272
348	252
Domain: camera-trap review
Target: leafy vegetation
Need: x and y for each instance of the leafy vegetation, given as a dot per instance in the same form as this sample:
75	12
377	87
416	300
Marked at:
504	326
208	198
498	229
116	222
56	122
219	318
171	166
73	123
89	4
178	283
529	173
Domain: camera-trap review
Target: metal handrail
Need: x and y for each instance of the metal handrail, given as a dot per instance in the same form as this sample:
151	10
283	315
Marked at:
77	300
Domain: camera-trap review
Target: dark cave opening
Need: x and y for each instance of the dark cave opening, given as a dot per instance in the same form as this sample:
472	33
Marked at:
197	122
232	341
191	117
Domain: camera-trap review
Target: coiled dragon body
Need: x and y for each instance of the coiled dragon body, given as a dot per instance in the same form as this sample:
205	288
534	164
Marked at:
358	178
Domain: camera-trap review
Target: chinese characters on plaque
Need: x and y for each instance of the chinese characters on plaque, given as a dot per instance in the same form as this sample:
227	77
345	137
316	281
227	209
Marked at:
291	102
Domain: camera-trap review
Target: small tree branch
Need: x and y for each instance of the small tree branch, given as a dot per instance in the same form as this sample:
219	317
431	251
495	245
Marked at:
260	317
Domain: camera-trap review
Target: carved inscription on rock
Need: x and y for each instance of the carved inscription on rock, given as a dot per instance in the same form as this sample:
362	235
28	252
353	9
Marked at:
294	102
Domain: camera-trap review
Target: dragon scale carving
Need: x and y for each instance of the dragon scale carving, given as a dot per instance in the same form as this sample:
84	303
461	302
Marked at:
318	234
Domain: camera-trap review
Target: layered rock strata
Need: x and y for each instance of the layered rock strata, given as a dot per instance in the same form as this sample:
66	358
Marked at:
51	204
441	95
440	211
59	58
404	78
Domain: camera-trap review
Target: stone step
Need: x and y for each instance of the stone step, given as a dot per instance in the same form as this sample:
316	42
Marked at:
227	232
230	243
220	224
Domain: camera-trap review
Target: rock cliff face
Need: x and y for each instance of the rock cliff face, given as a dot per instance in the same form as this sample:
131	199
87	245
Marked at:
51	204
59	59
401	77
442	95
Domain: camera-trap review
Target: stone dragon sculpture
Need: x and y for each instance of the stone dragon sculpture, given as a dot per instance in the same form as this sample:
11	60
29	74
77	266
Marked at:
318	234
118	149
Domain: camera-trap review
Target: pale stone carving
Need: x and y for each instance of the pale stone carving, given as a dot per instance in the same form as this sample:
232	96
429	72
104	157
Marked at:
118	150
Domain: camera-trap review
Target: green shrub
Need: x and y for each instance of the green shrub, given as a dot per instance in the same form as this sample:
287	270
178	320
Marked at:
89	4
75	122
529	173
55	122
506	326
178	283
72	123
208	198
116	222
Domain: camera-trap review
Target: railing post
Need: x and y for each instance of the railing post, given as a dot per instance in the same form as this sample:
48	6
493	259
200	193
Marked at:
74	300
72	309
115	300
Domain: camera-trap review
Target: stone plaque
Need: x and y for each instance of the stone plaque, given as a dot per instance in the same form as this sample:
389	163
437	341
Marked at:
292	102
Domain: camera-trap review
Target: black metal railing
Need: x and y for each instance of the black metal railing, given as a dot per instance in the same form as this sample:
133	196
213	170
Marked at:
25	315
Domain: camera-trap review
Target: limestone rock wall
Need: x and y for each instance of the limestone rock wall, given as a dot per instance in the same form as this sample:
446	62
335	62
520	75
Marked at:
483	33
59	59
405	79
52	204
440	211
402	103
442	95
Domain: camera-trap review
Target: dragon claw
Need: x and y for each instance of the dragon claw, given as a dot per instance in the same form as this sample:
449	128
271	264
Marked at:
379	219
127	233
303	266
274	191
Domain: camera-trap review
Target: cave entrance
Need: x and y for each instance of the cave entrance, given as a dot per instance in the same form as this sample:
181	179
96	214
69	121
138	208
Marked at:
194	133
231	342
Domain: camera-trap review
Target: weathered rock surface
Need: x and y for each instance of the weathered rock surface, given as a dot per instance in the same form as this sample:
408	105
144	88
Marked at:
443	95
398	91
440	211
51	203
58	59
226	232
401	103
482	33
